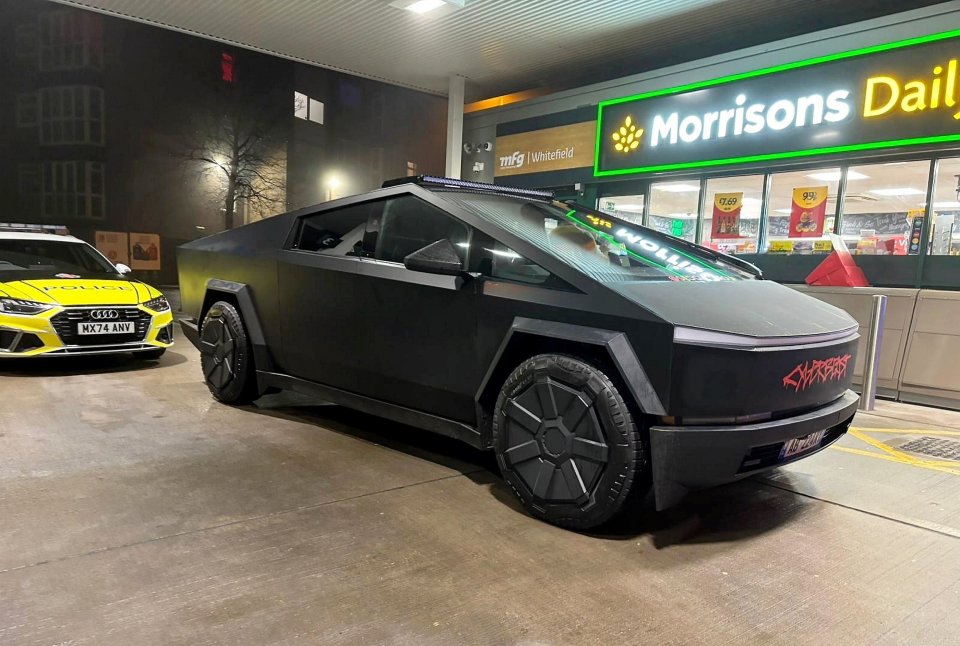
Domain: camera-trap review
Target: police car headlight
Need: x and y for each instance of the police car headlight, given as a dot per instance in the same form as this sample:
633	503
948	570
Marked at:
158	304
17	306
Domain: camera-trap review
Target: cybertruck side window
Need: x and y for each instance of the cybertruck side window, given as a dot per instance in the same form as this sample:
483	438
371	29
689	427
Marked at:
499	262
409	224
338	232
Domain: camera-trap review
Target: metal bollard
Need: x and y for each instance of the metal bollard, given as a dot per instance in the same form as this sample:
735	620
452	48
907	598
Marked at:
872	361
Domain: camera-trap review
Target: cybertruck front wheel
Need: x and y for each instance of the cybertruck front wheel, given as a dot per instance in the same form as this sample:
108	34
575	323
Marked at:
567	443
226	355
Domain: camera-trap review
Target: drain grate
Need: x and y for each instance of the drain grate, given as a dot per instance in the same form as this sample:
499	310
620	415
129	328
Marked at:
936	447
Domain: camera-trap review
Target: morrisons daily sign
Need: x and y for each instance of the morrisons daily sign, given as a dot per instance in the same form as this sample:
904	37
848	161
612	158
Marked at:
901	94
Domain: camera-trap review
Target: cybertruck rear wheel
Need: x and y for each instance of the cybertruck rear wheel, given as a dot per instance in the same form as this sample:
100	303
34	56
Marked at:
226	355
567	443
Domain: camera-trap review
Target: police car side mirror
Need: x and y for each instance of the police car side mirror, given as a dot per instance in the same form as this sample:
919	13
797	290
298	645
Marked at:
438	257
122	268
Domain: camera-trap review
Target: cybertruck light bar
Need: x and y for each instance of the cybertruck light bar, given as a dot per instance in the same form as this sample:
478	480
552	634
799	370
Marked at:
449	182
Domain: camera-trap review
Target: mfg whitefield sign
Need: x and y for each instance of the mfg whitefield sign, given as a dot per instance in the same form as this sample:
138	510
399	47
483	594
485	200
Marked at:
899	94
549	149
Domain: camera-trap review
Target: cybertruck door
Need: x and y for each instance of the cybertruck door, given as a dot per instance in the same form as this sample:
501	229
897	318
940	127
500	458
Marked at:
317	278
417	329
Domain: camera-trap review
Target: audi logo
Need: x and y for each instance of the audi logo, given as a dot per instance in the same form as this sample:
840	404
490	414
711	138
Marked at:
103	315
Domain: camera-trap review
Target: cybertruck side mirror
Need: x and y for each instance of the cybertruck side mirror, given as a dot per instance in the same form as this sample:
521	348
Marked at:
438	257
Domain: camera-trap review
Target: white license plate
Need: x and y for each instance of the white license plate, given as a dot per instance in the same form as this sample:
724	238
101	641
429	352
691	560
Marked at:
106	327
801	444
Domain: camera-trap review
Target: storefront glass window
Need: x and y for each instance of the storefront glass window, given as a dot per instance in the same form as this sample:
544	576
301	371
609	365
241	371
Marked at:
731	217
625	207
945	229
673	208
802	210
884	208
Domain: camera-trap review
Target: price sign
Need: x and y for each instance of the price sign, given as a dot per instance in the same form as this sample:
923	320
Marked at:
676	228
726	215
781	246
808	211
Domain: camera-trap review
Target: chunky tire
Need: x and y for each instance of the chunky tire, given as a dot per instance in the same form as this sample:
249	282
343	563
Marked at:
149	355
226	355
567	443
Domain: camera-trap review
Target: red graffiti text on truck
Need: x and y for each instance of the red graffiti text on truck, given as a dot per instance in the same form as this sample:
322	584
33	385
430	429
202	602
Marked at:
811	373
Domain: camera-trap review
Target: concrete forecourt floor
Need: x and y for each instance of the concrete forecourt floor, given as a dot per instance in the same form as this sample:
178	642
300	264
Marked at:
134	509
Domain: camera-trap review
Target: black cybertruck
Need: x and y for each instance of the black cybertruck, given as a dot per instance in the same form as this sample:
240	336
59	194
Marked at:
595	357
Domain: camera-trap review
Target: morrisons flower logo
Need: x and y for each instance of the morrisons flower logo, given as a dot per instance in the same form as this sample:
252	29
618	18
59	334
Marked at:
627	137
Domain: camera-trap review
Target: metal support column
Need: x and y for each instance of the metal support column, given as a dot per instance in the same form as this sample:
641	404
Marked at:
871	363
454	126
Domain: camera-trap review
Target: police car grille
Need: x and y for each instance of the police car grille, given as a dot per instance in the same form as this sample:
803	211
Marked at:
65	323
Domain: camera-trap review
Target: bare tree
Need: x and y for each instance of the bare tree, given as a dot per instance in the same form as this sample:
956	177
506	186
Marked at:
235	141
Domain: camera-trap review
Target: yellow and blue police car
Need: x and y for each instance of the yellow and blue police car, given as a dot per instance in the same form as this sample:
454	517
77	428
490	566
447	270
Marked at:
60	296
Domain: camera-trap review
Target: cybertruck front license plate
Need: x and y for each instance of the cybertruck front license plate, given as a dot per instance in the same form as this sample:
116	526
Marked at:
106	327
801	444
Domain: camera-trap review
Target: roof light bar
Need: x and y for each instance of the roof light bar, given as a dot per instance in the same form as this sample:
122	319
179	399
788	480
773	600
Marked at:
449	182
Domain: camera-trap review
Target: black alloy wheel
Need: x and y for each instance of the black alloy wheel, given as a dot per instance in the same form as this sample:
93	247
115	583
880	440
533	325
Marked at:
567	443
226	355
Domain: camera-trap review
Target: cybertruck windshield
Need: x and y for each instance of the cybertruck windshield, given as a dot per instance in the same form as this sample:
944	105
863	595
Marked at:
604	247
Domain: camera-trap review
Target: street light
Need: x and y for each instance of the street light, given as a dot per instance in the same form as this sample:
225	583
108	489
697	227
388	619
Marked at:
333	183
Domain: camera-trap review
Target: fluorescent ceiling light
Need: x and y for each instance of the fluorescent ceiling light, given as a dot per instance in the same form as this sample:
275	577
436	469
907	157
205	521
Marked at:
946	205
423	6
677	188
783	210
628	207
834	175
895	192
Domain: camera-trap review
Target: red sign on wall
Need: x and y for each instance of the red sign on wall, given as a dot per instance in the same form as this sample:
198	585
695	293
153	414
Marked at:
726	215
808	212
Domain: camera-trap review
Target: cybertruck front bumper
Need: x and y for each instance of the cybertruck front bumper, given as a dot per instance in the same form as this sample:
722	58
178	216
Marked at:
695	457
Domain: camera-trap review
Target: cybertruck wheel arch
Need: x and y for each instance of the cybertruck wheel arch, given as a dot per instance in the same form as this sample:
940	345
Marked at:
243	295
614	345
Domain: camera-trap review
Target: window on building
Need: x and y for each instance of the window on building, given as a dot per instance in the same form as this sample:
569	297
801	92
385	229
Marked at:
945	210
673	208
70	40
625	207
25	45
731	218
307	109
72	189
27	108
802	208
71	114
28	180
879	208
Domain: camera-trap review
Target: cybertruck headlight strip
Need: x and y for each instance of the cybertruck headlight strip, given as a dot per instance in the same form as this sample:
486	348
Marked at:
695	336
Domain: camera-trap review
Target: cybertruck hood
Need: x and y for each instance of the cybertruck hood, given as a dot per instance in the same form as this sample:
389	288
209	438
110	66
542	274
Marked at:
749	308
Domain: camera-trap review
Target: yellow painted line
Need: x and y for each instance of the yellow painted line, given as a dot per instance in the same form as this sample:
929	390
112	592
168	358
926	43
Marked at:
891	458
869	454
877	444
893	455
904	431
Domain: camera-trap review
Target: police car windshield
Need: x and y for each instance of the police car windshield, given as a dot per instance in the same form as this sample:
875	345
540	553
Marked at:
604	247
22	259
